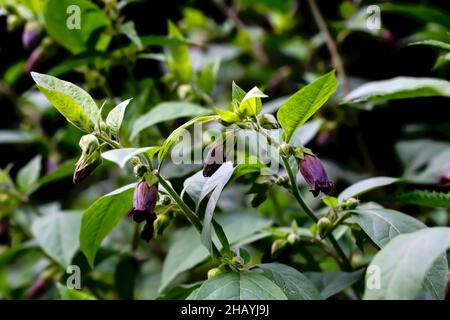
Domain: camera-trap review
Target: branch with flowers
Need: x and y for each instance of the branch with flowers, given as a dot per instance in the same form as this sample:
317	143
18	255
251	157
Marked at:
153	201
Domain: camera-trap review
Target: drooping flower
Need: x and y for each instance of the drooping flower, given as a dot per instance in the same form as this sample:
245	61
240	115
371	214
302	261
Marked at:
213	161
144	202
315	175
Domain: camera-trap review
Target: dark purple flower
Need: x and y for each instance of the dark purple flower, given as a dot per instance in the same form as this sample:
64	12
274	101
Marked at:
144	202
445	177
315	175
34	59
213	161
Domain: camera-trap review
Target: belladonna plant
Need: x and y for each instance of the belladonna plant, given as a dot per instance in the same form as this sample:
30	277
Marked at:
152	199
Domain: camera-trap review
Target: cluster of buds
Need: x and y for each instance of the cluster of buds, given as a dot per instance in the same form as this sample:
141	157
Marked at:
90	157
144	202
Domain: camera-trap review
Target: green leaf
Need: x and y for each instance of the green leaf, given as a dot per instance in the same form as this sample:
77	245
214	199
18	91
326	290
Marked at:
57	235
237	94
227	116
251	103
92	22
73	294
75	104
115	117
365	186
167	111
179	64
216	183
331	283
382	225
166	41
101	217
294	284
207	77
129	30
187	250
423	198
399	88
121	156
433	43
240	286
403	264
172	139
305	102
29	174
331	202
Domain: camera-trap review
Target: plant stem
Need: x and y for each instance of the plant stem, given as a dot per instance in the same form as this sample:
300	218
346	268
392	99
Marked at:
345	261
331	44
296	192
191	216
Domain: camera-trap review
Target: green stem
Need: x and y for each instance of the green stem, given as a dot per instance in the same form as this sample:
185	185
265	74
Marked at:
188	213
296	192
345	261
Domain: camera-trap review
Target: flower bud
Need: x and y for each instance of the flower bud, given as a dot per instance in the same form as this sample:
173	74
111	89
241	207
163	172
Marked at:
90	157
86	165
88	143
140	170
315	175
213	160
160	224
350	203
165	199
292	238
323	226
144	202
214	272
277	245
12	22
285	150
268	121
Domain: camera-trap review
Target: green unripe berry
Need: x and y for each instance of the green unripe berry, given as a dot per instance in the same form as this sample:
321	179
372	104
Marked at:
323	226
214	272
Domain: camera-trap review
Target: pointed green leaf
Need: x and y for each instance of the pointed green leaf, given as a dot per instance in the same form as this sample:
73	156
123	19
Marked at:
166	111
176	134
399	88
115	117
305	102
251	103
57	235
121	156
403	264
240	286
364	186
29	174
101	218
294	284
75	104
